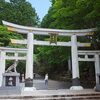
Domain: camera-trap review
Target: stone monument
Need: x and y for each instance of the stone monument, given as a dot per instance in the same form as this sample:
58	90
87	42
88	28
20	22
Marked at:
11	77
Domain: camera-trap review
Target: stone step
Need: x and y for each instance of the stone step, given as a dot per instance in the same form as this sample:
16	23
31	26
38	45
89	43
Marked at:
10	90
86	94
54	97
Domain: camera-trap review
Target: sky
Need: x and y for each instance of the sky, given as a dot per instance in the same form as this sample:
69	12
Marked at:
41	7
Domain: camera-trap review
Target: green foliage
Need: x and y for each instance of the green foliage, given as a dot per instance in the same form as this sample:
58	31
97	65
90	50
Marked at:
5	36
21	67
52	59
73	14
69	14
20	12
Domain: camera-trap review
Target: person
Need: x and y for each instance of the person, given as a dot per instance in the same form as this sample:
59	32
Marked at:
46	79
23	79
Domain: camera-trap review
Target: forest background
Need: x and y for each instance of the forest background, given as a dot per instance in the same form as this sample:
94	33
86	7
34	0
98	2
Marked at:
63	14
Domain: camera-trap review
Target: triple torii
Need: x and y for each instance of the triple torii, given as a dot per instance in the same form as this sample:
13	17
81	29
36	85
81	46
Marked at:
31	31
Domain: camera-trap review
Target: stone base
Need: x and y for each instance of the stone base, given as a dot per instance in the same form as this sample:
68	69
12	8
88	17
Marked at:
76	82
97	88
76	88
28	82
11	79
29	89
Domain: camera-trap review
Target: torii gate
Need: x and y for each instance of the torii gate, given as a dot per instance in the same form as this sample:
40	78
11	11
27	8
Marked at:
94	57
31	31
14	55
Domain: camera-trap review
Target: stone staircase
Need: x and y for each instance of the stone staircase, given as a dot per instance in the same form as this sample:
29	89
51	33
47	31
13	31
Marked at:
55	95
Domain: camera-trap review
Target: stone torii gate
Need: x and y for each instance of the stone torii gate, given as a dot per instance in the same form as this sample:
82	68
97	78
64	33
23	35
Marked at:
31	31
94	57
10	54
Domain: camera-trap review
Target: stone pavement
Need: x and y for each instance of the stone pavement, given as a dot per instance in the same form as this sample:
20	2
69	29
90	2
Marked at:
54	91
39	84
52	85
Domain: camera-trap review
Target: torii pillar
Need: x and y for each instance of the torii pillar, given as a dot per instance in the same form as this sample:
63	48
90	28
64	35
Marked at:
2	66
29	61
75	66
97	72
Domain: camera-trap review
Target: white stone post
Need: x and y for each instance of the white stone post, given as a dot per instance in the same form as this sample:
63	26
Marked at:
97	68
75	66
29	61
2	66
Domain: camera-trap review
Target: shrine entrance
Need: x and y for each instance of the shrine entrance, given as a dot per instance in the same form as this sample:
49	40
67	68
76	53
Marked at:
53	33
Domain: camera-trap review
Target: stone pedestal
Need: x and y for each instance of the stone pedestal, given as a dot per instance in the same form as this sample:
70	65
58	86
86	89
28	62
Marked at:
76	84
28	82
10	79
10	83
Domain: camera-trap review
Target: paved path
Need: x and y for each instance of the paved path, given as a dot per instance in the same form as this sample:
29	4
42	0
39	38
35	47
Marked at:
39	84
52	85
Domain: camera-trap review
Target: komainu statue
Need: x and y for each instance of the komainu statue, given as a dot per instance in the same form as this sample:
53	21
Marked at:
12	68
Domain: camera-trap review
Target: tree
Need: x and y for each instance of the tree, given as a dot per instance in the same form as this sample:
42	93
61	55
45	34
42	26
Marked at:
5	36
20	12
